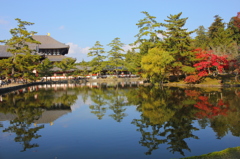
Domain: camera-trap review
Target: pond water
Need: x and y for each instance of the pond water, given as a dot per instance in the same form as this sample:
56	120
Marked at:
117	121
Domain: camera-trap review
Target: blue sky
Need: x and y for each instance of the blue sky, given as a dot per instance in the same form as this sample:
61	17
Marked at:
80	23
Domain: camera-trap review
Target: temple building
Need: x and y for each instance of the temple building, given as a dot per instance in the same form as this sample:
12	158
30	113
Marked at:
50	48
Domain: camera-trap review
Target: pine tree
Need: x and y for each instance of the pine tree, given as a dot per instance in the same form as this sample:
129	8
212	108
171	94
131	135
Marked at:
201	40
177	42
221	39
234	27
18	44
115	55
147	37
97	52
67	64
45	67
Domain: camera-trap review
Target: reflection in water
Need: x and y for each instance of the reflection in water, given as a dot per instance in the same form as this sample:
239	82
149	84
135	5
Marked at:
166	114
28	110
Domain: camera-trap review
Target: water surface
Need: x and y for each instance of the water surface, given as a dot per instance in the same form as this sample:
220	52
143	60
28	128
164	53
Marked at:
125	120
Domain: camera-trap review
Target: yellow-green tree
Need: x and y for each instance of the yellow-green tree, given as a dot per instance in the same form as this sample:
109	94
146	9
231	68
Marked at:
155	64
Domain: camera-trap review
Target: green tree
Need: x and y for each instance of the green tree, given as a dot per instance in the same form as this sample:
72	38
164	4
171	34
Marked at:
5	67
115	55
234	28
66	65
155	64
97	52
18	44
201	40
177	42
26	64
133	61
45	67
148	35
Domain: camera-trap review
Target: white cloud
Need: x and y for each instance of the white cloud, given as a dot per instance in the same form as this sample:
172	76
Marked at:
78	52
61	27
127	47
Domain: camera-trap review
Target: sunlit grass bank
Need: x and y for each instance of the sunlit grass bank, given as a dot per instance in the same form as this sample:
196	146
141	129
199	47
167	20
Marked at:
229	153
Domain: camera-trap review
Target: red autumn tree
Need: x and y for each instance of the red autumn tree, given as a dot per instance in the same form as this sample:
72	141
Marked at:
209	62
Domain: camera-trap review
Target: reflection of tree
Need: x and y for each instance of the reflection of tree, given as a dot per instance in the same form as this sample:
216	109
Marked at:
117	101
98	96
28	107
23	129
22	106
112	98
165	119
220	110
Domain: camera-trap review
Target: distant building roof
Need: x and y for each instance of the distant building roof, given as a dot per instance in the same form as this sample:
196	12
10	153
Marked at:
47	42
56	57
3	51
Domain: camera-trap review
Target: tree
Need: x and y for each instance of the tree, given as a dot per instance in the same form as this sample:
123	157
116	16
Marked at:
115	55
18	44
66	64
201	40
97	62
155	64
26	64
147	37
5	67
45	67
234	28
133	61
220	39
209	62
177	42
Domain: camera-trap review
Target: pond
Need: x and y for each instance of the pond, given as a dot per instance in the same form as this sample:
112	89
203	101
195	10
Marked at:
116	121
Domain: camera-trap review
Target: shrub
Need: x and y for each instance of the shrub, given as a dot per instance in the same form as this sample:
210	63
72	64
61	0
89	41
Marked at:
192	79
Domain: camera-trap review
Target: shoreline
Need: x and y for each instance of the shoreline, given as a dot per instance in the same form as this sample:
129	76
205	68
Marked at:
14	86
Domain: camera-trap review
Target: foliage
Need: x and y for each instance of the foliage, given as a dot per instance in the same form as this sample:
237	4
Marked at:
177	42
201	40
155	64
66	64
115	55
220	39
192	79
18	44
133	61
97	62
5	67
209	62
44	69
148	36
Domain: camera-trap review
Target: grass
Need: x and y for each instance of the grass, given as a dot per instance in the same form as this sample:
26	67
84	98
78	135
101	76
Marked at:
229	153
226	79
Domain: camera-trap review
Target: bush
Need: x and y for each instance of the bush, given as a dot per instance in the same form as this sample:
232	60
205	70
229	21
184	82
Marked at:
192	79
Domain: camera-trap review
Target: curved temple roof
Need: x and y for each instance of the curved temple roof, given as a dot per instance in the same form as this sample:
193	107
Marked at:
47	42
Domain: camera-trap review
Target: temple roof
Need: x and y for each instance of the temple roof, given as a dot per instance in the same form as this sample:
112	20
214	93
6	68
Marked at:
3	51
56	57
47	42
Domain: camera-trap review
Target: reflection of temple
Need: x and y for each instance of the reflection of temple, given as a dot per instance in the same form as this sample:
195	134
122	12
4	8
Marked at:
48	116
